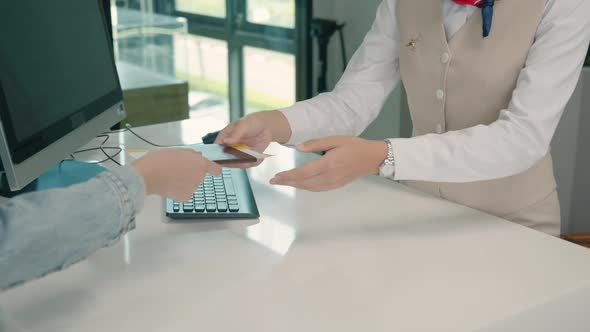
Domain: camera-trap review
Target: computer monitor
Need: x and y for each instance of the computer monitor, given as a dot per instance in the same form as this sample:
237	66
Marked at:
59	86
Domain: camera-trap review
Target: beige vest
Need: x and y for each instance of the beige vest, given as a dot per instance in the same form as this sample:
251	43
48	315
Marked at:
466	82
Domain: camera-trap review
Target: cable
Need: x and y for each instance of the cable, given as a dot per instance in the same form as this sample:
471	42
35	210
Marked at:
98	148
128	128
119	150
111	157
103	149
147	141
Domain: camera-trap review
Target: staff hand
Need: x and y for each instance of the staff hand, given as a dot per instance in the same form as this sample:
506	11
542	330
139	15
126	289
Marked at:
257	130
346	159
251	130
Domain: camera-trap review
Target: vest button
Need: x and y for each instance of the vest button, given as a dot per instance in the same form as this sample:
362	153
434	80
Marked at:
445	57
438	129
440	94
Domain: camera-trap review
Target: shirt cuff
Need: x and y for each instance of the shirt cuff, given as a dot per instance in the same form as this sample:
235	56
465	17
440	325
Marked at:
299	122
402	148
133	184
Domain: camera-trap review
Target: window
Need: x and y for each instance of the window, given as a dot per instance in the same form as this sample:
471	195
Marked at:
269	78
214	8
243	55
202	62
272	12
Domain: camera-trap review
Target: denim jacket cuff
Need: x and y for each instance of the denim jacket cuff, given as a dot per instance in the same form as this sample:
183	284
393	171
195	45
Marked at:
132	189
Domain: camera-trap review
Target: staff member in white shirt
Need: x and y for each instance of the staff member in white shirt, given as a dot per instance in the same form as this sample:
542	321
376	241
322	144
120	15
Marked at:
485	105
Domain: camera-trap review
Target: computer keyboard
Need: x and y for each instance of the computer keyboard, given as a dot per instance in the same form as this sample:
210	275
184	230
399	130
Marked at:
227	196
217	193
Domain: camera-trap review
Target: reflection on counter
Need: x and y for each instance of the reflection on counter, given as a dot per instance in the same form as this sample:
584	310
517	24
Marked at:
272	234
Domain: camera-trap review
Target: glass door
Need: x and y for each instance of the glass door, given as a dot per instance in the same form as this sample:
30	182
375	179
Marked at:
244	55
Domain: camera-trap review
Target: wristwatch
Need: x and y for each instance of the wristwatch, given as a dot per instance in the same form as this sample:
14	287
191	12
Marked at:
387	169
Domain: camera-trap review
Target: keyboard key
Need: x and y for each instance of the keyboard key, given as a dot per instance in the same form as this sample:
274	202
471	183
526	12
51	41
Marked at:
222	207
229	187
215	194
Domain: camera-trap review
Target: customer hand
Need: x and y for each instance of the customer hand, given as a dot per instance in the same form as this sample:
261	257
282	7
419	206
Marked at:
174	173
347	159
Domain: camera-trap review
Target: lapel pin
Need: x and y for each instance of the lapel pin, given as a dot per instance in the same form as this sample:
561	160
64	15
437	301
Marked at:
413	43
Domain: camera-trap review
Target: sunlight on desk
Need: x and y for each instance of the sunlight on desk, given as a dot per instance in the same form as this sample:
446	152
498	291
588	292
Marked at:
272	234
126	249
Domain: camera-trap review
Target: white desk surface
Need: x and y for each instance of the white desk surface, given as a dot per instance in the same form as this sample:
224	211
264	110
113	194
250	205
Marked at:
374	256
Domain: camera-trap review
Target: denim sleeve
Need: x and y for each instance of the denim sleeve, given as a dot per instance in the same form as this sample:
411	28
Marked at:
47	231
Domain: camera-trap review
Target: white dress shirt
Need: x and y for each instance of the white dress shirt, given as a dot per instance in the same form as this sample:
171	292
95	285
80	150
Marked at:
516	141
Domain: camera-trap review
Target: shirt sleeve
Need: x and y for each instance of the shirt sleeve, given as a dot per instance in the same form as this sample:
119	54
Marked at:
47	231
371	75
522	134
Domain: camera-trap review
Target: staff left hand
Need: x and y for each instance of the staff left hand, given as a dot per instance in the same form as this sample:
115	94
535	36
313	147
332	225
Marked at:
346	159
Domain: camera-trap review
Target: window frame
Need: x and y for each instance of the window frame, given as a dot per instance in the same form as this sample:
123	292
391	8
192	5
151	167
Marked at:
238	32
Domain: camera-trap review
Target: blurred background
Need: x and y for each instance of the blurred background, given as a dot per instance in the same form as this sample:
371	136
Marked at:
231	58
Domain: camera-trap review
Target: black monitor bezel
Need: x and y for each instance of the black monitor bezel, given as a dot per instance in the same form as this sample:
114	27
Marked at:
31	146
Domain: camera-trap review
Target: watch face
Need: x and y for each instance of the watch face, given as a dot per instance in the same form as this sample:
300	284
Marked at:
387	170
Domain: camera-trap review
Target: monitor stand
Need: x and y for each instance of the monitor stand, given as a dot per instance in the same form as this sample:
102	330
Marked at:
67	173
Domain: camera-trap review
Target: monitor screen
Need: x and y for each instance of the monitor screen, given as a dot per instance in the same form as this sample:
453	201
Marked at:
56	70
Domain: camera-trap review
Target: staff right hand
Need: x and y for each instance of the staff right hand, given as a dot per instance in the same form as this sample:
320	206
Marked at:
257	130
